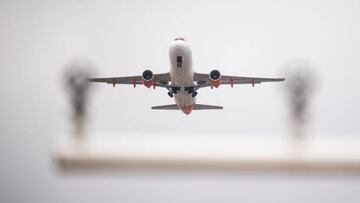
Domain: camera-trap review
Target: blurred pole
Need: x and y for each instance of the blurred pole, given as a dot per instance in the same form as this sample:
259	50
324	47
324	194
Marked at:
299	87
76	76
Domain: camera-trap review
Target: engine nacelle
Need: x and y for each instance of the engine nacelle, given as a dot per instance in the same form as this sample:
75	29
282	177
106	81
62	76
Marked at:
148	78
215	78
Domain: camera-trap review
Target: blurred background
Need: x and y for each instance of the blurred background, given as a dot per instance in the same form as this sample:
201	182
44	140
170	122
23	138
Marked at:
249	38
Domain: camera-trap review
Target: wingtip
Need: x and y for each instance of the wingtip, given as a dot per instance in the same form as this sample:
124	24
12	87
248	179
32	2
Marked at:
280	79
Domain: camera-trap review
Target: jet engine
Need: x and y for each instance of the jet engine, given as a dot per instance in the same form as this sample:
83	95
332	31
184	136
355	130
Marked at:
215	78
148	78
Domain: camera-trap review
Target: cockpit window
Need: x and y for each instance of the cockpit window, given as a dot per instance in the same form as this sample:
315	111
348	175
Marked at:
180	38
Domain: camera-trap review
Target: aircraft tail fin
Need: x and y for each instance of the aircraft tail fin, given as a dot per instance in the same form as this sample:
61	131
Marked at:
196	107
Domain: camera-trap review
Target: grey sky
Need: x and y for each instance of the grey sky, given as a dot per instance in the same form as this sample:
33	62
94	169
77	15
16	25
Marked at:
124	38
249	38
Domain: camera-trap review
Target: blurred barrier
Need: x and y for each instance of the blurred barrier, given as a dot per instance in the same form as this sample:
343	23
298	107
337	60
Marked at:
210	152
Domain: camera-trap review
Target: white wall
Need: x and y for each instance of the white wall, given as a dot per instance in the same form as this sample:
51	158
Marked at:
255	38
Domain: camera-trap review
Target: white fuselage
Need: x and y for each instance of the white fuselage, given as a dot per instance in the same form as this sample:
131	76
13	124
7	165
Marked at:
182	74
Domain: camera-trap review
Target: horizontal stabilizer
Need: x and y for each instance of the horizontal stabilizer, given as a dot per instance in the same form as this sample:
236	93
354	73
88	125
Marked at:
196	107
166	107
206	107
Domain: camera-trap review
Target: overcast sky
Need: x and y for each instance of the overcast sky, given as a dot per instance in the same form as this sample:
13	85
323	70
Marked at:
255	38
248	38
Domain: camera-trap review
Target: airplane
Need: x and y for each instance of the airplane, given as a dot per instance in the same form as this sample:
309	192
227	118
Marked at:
182	82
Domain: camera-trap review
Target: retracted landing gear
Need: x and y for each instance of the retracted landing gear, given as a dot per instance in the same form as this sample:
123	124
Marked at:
194	94
171	89
191	90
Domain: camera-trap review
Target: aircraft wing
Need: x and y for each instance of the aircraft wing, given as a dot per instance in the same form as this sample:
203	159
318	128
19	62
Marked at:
196	107
203	80
161	80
